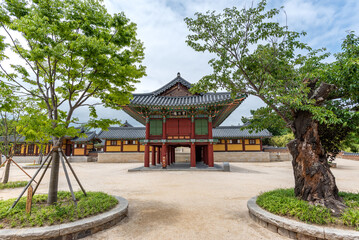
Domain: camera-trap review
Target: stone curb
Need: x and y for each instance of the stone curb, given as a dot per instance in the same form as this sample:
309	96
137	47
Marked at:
294	229
73	230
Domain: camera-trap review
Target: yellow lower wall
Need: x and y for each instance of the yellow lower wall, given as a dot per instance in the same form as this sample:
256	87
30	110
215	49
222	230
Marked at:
234	147
78	151
253	147
219	147
113	148
130	148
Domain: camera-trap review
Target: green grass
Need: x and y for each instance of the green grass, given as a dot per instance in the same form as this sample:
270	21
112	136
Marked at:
63	211
16	184
283	202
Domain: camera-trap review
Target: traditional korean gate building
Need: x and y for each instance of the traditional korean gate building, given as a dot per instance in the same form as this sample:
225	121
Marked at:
174	117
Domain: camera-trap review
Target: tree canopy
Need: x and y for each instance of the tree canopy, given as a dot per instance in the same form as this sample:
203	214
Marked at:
253	54
74	54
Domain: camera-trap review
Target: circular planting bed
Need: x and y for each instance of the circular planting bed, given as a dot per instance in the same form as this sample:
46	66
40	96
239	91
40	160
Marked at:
281	212
65	220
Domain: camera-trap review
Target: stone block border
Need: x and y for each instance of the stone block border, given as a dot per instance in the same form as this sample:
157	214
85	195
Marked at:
74	230
294	229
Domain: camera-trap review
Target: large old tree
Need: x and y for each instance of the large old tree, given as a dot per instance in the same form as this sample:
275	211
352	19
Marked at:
72	54
257	56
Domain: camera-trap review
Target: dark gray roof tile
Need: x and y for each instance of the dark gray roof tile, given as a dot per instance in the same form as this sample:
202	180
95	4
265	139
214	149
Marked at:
123	133
238	132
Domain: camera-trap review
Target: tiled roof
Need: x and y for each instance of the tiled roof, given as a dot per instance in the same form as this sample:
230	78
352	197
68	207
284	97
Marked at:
89	136
178	79
237	131
153	100
123	133
219	132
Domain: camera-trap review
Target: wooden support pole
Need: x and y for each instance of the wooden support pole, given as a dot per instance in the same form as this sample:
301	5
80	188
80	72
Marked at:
21	169
73	172
68	179
3	163
32	179
42	176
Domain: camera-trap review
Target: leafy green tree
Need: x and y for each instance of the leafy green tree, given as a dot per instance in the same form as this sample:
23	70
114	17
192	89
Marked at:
254	55
281	140
75	55
266	118
10	113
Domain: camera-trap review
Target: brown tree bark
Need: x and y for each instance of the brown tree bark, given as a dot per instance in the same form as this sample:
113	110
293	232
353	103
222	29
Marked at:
314	181
6	172
54	177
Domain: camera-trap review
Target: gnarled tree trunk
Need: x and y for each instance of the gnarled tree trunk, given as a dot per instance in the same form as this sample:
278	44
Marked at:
6	172
314	181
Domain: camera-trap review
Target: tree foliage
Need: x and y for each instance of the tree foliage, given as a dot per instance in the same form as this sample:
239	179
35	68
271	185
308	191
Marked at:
74	54
72	51
257	56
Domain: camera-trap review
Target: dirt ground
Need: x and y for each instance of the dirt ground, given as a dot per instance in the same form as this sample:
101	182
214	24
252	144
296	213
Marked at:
187	205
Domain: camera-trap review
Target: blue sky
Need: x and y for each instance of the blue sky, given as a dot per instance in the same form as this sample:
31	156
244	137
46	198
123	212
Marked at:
162	30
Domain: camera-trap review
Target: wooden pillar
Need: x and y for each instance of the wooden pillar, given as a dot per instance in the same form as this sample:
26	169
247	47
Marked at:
210	145
243	145
158	155
169	159
85	148
164	128
192	127
164	154
210	155
147	128
225	145
147	145
174	155
193	155
205	155
153	157
210	135
121	145
147	155
260	140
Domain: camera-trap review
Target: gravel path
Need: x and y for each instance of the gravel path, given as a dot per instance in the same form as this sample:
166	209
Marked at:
188	205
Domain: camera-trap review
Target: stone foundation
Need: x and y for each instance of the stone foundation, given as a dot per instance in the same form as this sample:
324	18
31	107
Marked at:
138	157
